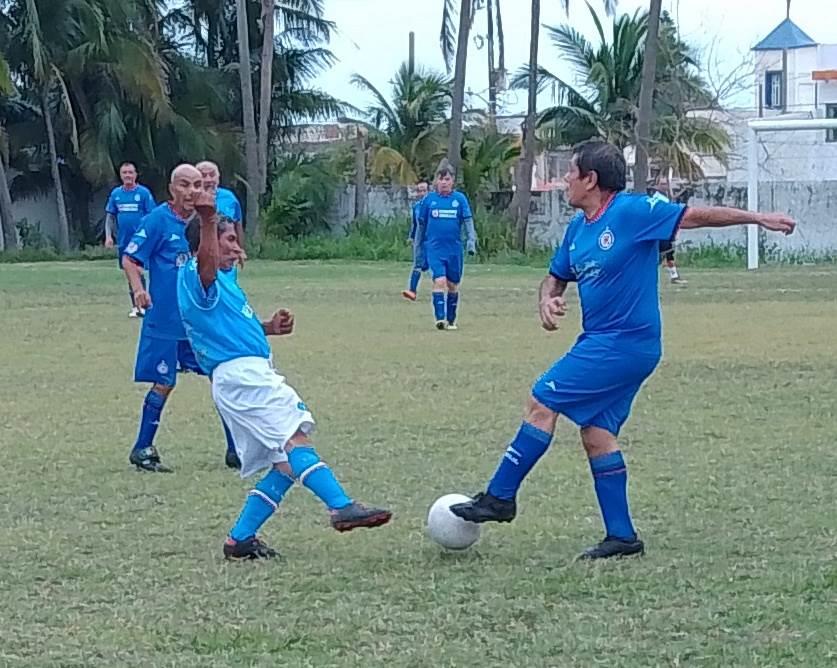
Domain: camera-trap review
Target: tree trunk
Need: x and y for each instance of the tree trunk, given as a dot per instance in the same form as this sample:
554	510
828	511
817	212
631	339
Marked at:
492	76
527	160
455	136
642	139
63	224
8	239
251	141
360	174
265	89
212	41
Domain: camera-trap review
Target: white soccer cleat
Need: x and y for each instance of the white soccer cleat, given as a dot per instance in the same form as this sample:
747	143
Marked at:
451	327
134	313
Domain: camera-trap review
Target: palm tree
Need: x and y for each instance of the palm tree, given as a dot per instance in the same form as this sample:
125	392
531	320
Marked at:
487	161
8	237
251	140
646	92
466	19
408	132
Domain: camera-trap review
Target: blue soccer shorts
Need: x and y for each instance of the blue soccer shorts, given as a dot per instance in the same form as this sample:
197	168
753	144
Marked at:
446	263
595	383
160	360
420	258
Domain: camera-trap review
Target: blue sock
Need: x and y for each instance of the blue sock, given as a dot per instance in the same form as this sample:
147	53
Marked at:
439	305
522	454
316	476
152	409
610	477
415	277
453	303
261	503
228	435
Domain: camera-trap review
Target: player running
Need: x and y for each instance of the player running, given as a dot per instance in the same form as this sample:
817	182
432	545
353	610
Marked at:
160	246
419	254
271	425
126	206
611	250
441	217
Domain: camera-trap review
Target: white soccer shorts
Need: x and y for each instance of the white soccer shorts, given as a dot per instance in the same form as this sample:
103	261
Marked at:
262	411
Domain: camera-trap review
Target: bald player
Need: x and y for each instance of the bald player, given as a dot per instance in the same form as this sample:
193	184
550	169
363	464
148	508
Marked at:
160	247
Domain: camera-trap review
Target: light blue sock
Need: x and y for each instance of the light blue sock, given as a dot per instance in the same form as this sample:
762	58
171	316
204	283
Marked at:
522	454
316	476
152	410
453	303
261	503
610	478
439	305
415	277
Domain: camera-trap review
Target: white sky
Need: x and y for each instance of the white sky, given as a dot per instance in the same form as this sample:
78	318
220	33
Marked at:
372	36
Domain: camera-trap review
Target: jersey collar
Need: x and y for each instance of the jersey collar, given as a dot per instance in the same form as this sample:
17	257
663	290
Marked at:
602	209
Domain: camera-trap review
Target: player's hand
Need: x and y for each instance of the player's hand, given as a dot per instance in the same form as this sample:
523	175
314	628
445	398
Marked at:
205	204
242	258
108	242
142	299
778	222
550	311
282	322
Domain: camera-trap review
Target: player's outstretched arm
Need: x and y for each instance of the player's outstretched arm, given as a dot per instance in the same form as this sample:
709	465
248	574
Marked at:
209	256
551	303
722	216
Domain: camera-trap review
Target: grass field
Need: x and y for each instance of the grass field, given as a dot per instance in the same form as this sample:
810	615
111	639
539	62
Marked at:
731	450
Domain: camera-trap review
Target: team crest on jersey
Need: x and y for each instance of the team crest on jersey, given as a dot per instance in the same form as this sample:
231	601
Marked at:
247	311
137	197
435	213
455	204
162	367
131	248
606	239
182	258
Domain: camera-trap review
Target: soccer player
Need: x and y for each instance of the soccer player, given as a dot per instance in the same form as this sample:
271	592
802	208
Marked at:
160	246
271	424
126	206
226	202
419	254
611	249
667	247
442	214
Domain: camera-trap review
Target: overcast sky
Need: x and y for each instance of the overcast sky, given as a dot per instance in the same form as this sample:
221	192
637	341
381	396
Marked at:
372	36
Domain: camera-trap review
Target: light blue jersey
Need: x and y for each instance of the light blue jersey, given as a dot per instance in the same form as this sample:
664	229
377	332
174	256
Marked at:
613	258
440	221
220	323
227	204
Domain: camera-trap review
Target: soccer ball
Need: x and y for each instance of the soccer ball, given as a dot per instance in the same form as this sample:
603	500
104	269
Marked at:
448	530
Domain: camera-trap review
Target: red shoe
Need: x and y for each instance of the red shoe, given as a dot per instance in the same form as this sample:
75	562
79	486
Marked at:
409	295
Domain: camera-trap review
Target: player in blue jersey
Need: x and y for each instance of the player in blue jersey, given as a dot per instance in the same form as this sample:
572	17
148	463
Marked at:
226	202
662	191
126	206
611	250
419	255
442	215
160	246
271	424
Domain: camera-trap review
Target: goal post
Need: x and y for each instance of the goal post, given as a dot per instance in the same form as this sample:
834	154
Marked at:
755	128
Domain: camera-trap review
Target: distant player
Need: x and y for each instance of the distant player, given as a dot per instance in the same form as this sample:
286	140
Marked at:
611	249
271	424
442	215
226	202
160	246
662	191
126	206
419	254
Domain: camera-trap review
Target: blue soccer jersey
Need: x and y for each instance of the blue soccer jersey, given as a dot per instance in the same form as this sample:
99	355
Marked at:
220	323
228	205
416	209
129	207
441	218
614	259
160	246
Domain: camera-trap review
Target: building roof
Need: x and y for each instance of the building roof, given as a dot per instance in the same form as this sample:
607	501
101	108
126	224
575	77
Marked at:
786	35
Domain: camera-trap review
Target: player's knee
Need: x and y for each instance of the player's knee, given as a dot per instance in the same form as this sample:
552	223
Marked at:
598	441
453	287
540	416
440	283
284	468
299	439
163	390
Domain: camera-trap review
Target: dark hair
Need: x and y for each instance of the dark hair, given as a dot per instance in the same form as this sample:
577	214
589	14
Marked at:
445	169
605	159
193	229
125	163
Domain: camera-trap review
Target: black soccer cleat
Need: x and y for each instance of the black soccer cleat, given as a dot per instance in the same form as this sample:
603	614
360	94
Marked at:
486	508
612	547
148	459
249	548
231	460
356	516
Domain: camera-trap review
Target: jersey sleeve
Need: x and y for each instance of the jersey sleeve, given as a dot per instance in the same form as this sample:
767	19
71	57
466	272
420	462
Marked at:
560	267
656	218
145	240
110	206
465	207
149	202
192	288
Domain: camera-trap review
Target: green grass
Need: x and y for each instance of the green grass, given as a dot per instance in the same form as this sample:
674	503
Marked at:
731	449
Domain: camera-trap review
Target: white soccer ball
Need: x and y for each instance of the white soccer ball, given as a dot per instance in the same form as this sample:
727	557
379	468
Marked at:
448	530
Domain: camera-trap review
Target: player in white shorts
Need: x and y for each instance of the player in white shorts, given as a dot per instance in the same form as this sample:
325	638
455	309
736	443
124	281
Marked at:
270	424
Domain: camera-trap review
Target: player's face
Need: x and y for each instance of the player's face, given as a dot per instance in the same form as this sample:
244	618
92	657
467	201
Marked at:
229	248
578	186
184	189
421	190
128	175
444	184
211	179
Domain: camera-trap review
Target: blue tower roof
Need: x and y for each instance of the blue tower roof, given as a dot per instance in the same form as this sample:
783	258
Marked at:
786	35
